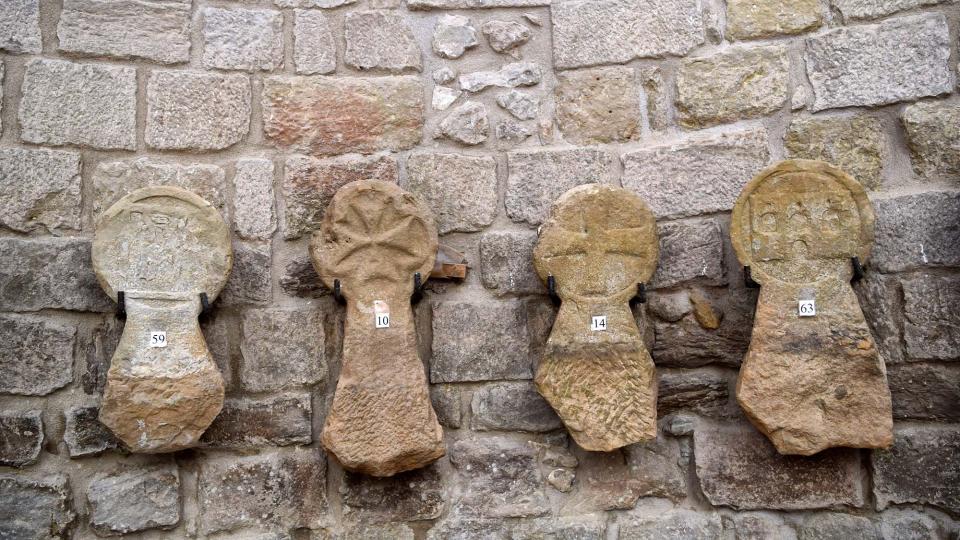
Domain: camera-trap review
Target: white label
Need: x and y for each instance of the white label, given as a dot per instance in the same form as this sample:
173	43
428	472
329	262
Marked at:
383	320
599	323
381	314
158	339
808	308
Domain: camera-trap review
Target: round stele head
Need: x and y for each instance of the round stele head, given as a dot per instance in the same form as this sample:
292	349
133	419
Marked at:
599	243
800	221
162	240
374	237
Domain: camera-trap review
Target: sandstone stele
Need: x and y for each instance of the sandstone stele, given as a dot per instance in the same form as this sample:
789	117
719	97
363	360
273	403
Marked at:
374	238
598	244
815	381
162	247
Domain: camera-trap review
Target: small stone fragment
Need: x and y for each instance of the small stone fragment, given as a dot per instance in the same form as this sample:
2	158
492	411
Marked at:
853	143
134	500
704	312
512	131
380	40
444	97
314	47
521	105
561	479
509	76
36	509
505	36
533	19
444	75
598	106
244	39
670	307
467	124
39	189
84	434
750	19
453	36
21	436
460	190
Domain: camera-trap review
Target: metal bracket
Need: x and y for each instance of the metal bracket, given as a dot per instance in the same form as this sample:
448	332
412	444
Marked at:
205	308
338	294
641	297
418	288
857	270
121	306
748	279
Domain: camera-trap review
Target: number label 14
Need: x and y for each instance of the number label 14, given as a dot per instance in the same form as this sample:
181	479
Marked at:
599	323
158	339
807	308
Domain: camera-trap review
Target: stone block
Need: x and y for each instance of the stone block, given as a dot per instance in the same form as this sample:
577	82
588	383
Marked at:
20	26
506	36
468	124
37	356
501	478
380	40
134	499
473	4
83	433
880	299
672	524
931	328
21	437
460	190
756	526
189	110
410	496
539	177
897	60
923	391
917	231
447	403
91	105
243	39
702	391
314	47
922	466
272	489
506	263
699	175
480	342
49	273
39	189
453	35
853	143
512	406
326	116
36	509
253	184
690	251
157	31
828	526
598	106
740	468
594	32
252	422
250	282
736	84
907	525
309	185
282	349
508	76
748	19
872	9
300	279
933	138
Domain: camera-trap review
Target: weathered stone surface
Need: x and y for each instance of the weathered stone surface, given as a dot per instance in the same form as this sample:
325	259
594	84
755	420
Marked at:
880	298
539	177
410	496
48	273
922	466
39	189
872	9
835	525
444	75
501	478
924	391
35	509
597	106
300	279
252	422
473	4
381	422
266	490
84	104
506	263
314	47
508	76
136	499
689	251
756	526
521	105
732	85
592	32
598	244
705	392
738	467
158	30
312	3
934	138
309	185
84	434
196	111
37	356
916	231
380	40
512	131
244	39
161	399
479	342
931	328
324	116
505	36
809	382
900	59
253	183
250	282
460	190
20	26
282	349
853	143
907	525
453	36
512	406
21	436
467	124
748	19
672	524
656	95
444	97
696	176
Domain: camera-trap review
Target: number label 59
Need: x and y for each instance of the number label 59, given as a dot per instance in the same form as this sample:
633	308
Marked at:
158	339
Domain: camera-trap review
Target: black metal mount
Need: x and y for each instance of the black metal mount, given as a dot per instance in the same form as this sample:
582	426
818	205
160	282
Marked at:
205	310
639	298
418	288
858	273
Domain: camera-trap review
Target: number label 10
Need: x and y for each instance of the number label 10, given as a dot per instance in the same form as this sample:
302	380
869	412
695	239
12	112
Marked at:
807	308
158	339
599	323
382	320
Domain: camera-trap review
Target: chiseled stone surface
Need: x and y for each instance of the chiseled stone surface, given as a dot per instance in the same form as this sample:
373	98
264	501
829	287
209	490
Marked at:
382	421
501	476
158	30
506	263
49	273
327	116
899	59
380	40
83	104
196	110
137	499
243	39
752	19
35	508
872	9
599	243
934	138
593	32
314	46
83	433
689	251
253	184
916	231
831	525
410	496
922	466
853	143
39	189
815	382
282	349
738	83
460	190
512	406
597	106
21	436
20	26
931	329
254	422
672	524
37	356
925	391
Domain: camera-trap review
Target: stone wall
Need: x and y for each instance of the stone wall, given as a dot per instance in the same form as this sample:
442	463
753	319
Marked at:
488	109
